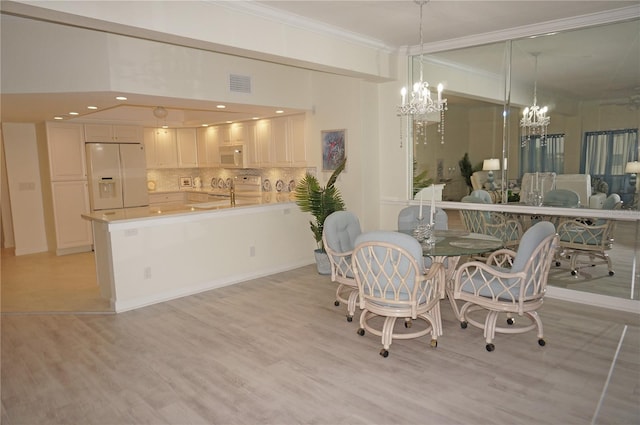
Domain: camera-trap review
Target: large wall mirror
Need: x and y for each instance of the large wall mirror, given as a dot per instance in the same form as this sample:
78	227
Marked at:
588	78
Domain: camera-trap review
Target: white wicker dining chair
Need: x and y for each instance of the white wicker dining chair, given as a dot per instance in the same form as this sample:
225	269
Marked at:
491	223
408	217
591	238
392	284
509	282
338	237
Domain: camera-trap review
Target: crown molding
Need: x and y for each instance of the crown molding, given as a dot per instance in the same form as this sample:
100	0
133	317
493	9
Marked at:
564	24
301	22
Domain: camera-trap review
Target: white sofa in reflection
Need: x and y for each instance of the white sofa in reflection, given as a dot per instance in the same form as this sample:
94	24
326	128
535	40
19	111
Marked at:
581	184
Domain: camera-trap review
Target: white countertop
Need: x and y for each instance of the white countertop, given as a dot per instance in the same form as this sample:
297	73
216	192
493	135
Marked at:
150	212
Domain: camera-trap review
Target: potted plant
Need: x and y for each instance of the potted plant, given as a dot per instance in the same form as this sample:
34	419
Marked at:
320	202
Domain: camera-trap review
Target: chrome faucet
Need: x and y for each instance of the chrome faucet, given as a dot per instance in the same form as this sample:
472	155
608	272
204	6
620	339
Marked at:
232	194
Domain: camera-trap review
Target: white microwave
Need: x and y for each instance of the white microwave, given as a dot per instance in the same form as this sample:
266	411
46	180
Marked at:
232	156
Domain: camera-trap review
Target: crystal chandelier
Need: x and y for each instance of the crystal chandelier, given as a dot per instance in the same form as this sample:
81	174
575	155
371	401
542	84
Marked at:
420	102
534	121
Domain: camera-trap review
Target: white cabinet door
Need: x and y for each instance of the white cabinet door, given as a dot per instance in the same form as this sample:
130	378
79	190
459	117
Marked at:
187	148
166	198
65	144
98	133
161	148
251	151
280	151
106	133
263	142
296	141
127	134
207	141
149	138
70	200
232	134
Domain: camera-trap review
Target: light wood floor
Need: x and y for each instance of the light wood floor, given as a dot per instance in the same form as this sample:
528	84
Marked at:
45	282
276	350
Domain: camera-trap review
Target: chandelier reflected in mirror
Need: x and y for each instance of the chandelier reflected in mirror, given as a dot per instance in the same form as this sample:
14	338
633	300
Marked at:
421	102
534	120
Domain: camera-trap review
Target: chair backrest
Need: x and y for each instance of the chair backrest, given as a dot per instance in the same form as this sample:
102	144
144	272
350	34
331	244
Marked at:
613	202
387	265
340	231
482	194
562	198
478	179
530	241
474	220
408	217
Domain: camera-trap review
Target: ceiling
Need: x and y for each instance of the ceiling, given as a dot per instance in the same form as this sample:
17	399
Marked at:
393	24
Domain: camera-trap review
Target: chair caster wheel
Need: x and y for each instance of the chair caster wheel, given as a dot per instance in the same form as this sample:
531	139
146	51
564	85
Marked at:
384	353
574	272
490	347
434	343
611	273
542	342
407	323
336	303
511	321
349	318
360	331
557	263
464	325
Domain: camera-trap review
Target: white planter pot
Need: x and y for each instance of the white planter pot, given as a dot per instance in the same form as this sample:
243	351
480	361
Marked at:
322	262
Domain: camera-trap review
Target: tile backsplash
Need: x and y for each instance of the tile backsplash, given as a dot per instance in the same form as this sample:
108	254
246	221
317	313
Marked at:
168	179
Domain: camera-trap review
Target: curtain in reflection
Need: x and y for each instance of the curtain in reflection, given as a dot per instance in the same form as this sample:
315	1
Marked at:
547	156
606	153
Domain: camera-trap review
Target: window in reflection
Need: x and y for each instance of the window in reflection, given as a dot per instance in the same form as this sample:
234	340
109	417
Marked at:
538	156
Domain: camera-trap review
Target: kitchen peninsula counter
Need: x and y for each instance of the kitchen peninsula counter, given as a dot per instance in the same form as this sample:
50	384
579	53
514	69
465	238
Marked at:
155	254
189	208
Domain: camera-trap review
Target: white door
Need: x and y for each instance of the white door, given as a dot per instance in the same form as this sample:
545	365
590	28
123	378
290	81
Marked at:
134	175
105	185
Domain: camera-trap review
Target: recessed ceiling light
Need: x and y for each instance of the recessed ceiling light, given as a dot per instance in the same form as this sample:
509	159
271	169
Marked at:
58	118
165	126
255	118
279	111
205	125
73	113
221	106
229	122
92	107
121	98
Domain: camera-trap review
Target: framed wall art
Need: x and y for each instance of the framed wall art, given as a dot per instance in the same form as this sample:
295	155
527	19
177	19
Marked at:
334	148
186	182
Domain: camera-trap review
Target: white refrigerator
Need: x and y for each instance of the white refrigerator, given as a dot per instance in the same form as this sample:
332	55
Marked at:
117	175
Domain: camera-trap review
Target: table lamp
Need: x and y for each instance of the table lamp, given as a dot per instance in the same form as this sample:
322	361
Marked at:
633	168
491	165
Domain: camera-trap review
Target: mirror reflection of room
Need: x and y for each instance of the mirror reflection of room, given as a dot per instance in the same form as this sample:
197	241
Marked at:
584	85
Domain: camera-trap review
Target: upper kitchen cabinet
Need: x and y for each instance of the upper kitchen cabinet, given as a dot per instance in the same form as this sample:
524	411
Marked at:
161	148
207	140
233	134
288	141
65	144
187	148
105	133
251	154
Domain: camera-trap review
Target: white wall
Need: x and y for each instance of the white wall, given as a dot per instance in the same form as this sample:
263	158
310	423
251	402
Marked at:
25	190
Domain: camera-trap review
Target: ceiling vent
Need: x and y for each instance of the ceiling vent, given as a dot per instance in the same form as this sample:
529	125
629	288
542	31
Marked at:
239	83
